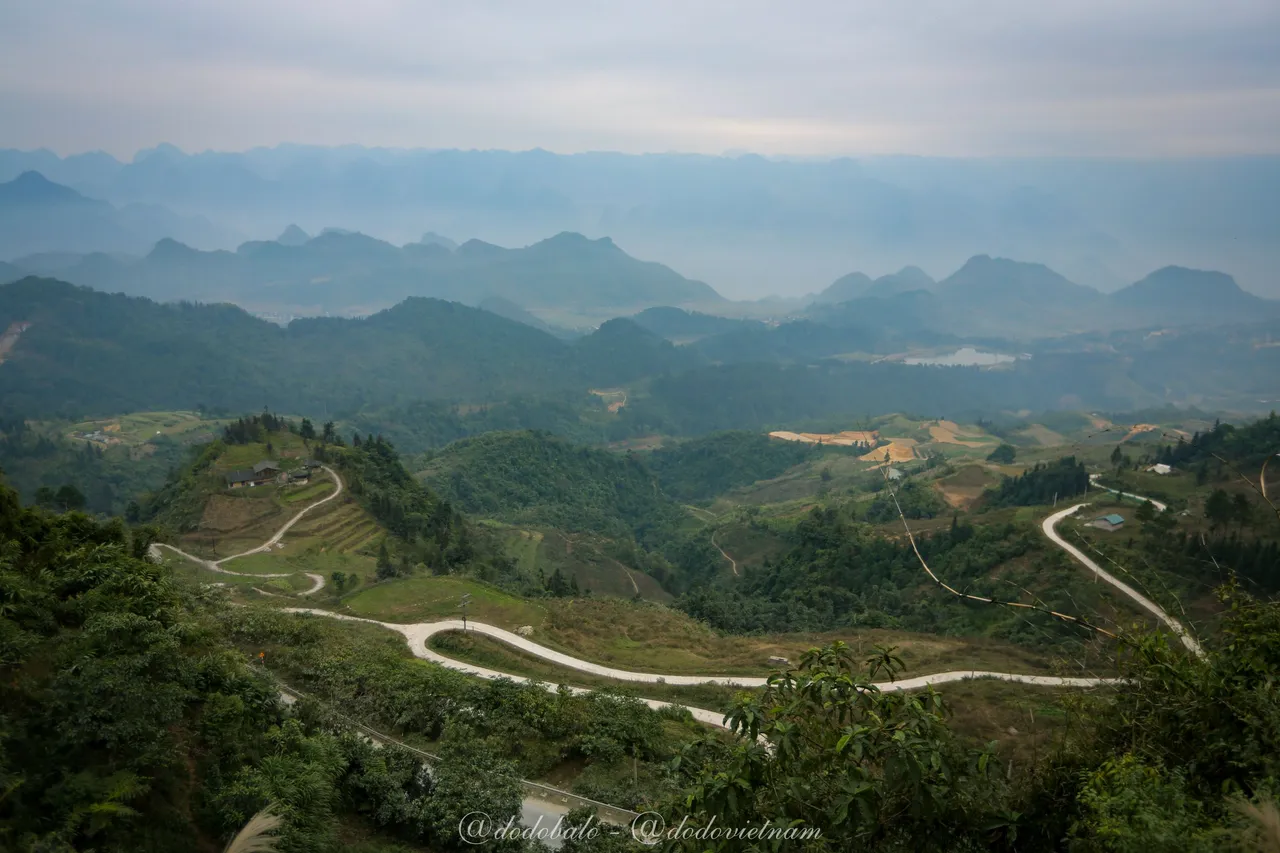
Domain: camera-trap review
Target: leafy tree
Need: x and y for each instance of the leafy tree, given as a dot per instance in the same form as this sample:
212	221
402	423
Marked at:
120	707
1242	510
471	778
69	498
1170	756
1003	455
385	568
1218	509
824	749
1145	512
306	430
1130	807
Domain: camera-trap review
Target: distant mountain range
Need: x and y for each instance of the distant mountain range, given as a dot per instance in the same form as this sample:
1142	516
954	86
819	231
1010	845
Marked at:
746	224
346	273
571	281
997	297
84	352
37	216
856	285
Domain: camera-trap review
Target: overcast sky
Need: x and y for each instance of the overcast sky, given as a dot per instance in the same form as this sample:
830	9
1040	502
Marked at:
825	77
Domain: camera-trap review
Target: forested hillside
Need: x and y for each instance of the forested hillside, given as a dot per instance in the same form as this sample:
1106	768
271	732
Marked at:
89	352
345	273
841	573
702	468
76	352
1042	484
38	461
133	721
755	396
536	478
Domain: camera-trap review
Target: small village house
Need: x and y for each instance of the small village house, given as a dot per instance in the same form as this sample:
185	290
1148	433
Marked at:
1111	522
263	472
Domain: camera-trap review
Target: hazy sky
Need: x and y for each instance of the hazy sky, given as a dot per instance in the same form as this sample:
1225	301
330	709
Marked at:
944	77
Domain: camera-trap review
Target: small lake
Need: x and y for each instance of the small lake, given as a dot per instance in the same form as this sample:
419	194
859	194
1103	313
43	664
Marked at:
963	357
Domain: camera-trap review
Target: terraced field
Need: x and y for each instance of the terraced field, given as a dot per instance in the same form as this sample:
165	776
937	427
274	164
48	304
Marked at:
338	536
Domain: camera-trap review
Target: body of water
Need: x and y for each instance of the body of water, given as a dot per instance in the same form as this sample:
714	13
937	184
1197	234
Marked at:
963	357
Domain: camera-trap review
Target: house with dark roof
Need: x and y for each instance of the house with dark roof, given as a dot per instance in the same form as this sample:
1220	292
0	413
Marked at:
263	472
1110	522
240	479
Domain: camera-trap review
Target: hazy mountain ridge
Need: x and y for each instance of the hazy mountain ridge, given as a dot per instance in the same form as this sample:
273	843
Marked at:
1004	298
1100	222
348	273
38	215
92	352
87	352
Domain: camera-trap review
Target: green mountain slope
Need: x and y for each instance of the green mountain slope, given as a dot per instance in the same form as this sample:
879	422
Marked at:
345	273
94	352
712	465
1177	296
535	478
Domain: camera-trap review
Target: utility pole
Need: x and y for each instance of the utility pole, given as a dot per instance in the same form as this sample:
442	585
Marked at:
462	605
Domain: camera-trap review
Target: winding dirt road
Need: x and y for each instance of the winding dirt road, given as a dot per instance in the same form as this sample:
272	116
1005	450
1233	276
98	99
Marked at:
733	564
317	581
419	634
1141	600
1093	483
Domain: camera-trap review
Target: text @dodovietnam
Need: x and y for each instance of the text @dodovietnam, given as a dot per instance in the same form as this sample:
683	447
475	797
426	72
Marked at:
649	828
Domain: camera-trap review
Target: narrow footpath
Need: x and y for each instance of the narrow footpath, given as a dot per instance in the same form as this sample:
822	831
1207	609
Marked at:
317	581
1141	600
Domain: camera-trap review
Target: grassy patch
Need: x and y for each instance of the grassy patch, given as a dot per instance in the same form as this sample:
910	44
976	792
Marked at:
494	654
749	546
309	493
427	599
141	427
651	638
286	585
1024	720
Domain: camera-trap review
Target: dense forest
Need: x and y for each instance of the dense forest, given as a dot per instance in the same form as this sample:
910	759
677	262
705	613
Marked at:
99	351
1250	444
85	353
1041	484
35	457
536	478
430	531
840	573
702	468
131	719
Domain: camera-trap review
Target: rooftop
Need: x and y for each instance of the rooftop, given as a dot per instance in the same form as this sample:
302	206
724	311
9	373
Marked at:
1112	518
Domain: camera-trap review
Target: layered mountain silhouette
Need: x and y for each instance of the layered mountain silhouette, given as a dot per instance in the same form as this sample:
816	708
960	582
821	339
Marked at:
856	285
751	223
38	216
998	297
348	273
88	351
